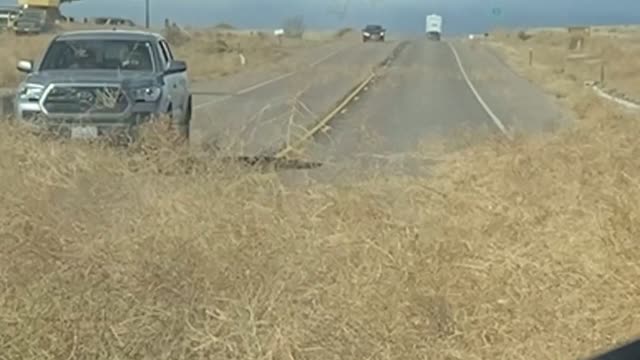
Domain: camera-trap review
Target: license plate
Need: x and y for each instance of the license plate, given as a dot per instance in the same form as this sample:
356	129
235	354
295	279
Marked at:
84	132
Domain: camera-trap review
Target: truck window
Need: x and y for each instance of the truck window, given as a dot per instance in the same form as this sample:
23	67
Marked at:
167	48
99	54
165	56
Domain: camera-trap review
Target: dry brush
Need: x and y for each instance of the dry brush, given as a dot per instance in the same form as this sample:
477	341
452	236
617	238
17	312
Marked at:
524	250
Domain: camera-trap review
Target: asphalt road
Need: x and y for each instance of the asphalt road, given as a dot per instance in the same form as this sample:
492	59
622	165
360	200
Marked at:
422	102
433	96
420	99
261	115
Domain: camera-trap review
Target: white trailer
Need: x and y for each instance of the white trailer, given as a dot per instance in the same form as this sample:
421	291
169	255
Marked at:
434	27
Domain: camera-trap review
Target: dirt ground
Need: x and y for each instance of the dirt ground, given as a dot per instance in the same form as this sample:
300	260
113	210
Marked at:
212	53
16	48
612	48
523	250
209	53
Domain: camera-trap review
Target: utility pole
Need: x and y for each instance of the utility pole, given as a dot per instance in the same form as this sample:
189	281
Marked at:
146	13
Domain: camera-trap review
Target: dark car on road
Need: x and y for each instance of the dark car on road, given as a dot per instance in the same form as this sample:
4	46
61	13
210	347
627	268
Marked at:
373	32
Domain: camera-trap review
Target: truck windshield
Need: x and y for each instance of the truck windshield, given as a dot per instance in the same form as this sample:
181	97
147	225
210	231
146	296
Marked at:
33	15
97	54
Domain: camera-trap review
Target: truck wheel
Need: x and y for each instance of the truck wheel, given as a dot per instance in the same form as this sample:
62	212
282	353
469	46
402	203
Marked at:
184	128
184	132
178	125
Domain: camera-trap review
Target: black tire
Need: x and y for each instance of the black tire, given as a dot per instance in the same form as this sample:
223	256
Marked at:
185	128
184	132
189	114
180	126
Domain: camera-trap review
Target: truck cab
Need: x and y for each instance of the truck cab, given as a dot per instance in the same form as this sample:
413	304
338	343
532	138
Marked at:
433	27
33	21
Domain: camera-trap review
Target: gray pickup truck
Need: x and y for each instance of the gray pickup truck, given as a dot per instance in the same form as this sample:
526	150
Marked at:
93	83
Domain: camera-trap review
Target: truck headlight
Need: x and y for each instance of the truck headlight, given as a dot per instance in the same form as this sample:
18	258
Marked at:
366	33
148	94
31	92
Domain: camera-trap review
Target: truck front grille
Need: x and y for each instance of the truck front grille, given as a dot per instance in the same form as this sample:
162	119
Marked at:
85	100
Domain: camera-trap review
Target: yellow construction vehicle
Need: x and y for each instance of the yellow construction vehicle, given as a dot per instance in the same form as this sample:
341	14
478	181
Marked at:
52	7
43	3
39	3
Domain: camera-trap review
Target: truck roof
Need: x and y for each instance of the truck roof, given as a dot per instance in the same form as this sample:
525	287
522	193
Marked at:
133	35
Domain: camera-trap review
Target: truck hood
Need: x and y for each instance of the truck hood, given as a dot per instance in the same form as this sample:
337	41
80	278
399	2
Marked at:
126	79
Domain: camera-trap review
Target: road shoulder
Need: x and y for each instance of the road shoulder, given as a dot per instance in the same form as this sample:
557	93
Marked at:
252	76
522	106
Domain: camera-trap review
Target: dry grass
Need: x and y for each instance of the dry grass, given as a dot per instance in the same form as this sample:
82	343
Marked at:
215	53
15	48
513	251
209	53
551	49
524	250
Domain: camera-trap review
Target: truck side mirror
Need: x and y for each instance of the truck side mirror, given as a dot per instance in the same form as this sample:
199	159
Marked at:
176	66
25	66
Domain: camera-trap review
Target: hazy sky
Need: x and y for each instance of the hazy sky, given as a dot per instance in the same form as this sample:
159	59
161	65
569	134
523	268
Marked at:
396	15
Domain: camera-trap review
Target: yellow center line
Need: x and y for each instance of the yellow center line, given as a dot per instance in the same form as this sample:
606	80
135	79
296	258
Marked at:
322	123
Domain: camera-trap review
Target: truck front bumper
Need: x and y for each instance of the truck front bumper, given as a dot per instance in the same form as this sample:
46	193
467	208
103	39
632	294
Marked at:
85	126
27	31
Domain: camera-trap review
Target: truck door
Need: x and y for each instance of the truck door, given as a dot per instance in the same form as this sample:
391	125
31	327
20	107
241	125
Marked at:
181	79
171	81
